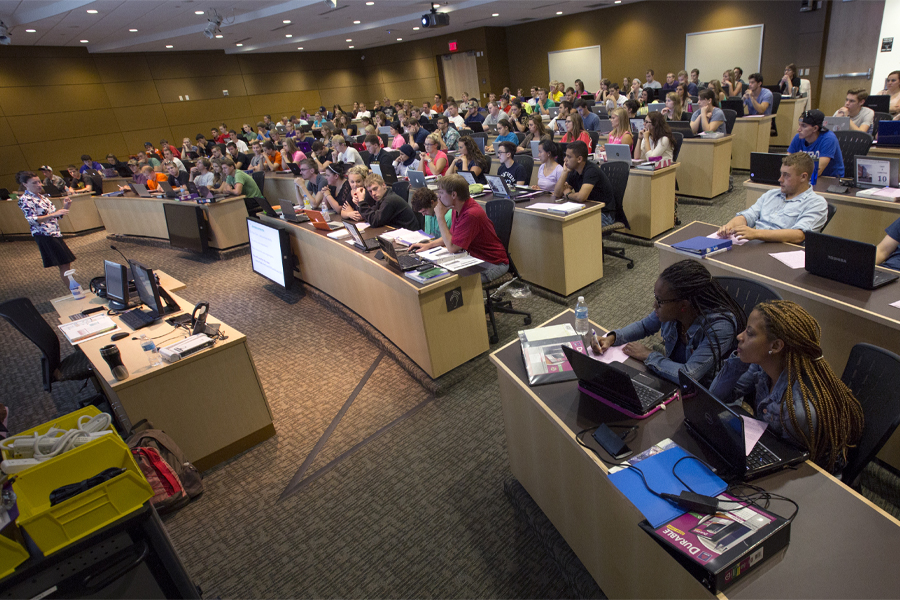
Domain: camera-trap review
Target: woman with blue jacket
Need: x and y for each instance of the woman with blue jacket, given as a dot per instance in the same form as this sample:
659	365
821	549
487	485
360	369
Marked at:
698	321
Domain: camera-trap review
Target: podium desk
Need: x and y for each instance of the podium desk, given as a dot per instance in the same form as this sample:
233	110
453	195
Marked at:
145	217
751	134
882	152
83	216
836	532
211	403
649	201
847	314
704	166
436	333
861	219
786	120
561	253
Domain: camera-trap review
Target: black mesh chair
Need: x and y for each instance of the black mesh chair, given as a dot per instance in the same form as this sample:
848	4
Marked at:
21	314
253	207
831	210
879	116
500	212
489	163
617	173
363	154
746	292
776	102
521	137
384	140
853	143
872	374
401	188
528	162
730	118
429	127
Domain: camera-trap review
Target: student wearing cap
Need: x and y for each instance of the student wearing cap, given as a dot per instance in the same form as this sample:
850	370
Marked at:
821	145
784	214
51	178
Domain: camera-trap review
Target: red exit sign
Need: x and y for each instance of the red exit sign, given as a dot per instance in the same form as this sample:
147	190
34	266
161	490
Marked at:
453	47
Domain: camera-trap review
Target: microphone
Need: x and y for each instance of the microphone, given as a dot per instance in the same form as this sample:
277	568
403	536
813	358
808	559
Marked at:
120	252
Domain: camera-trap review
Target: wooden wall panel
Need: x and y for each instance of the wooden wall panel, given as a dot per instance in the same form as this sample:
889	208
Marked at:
298	61
416	90
420	68
132	93
134	118
65	152
61	125
15	72
133	141
6	135
13	160
201	88
123	67
48	99
340	79
184	65
288	103
212	111
274	83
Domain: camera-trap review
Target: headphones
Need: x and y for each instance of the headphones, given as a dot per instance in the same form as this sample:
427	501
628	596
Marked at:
98	286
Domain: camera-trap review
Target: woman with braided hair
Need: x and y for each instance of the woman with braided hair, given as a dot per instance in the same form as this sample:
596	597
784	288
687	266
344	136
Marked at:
779	358
697	319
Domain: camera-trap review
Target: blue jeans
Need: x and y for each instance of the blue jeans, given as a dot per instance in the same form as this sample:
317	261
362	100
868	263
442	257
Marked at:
607	219
493	272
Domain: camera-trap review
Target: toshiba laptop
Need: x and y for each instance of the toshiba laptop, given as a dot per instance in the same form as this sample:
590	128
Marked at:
735	105
846	261
623	386
364	244
319	222
140	189
765	167
290	213
720	428
405	261
878	103
837	123
682	127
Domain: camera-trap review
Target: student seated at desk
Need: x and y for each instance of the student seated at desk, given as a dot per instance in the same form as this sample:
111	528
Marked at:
201	172
309	184
240	159
385	208
470	159
757	99
780	371
697	318
709	117
784	214
655	139
345	153
356	177
176	177
861	117
582	180
504	134
472	229
820	144
673	110
621	128
169	157
575	131
536	132
219	183
51	178
415	134
337	192
239	182
257	161
510	171
434	161
407	161
549	171
888	254
423	202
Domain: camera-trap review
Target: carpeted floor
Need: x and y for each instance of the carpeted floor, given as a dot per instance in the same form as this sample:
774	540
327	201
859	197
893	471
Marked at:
409	496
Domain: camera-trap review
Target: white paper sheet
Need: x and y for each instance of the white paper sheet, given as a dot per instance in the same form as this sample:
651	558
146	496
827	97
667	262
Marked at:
735	241
795	259
753	430
612	354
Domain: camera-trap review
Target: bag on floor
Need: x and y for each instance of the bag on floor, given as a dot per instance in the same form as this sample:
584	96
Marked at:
170	452
168	493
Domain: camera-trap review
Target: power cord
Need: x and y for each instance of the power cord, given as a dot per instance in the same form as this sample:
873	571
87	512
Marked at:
56	441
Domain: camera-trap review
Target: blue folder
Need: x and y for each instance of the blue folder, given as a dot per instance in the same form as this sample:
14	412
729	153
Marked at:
702	245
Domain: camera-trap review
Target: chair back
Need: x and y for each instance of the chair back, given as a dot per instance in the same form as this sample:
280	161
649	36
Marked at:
879	116
617	173
489	163
429	127
21	314
872	374
776	102
384	140
679	139
747	293
500	212
401	188
364	154
595	139
730	118
259	178
521	137
853	143
528	162
831	210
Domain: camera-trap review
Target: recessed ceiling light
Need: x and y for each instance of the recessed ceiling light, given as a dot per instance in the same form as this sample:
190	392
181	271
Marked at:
286	21
133	30
31	31
92	11
415	28
495	15
288	35
238	45
370	4
399	39
219	36
199	12
356	22
84	41
348	40
300	48
170	46
351	46
559	12
618	2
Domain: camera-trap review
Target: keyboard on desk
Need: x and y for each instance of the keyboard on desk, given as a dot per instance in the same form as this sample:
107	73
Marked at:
410	261
136	319
648	396
759	457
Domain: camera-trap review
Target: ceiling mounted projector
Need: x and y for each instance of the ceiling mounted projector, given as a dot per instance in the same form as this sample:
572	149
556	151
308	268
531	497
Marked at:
212	28
435	19
4	34
331	4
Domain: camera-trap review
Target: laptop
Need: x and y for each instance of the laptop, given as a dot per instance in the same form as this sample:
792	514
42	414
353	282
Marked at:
319	222
491	129
168	192
140	189
600	110
879	103
294	168
846	261
720	429
618	153
385	129
389	175
109	172
500	189
605	126
535	147
290	213
735	105
405	261
467	175
475	126
52	190
837	123
765	167
636	125
267	208
631	391
682	127
888	133
418	180
655	107
553	112
367	244
561	126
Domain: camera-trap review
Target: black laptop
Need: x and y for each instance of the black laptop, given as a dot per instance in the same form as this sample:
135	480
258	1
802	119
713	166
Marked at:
846	261
364	244
634	391
405	261
294	168
765	167
878	103
735	105
682	127
290	213
267	208
140	189
167	189
720	429
52	190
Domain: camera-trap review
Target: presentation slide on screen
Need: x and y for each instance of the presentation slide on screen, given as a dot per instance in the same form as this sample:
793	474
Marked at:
265	252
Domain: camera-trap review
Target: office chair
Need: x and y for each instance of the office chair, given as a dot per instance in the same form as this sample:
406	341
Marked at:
853	143
831	210
747	292
500	212
730	118
429	127
384	140
617	173
21	314
489	163
776	102
520	137
879	116
401	188
872	374
595	139
679	139
364	154
526	161
253	207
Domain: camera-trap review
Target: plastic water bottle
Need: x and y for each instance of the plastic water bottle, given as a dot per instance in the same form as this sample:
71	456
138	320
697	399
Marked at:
150	350
326	210
74	287
581	317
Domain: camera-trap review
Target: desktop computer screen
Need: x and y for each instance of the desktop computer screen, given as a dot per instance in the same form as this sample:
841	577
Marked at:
270	253
147	290
116	285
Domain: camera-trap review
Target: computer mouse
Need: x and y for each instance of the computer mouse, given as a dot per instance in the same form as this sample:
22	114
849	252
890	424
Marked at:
379	255
119	336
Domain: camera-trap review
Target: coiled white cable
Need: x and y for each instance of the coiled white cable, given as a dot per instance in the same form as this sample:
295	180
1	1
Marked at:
56	441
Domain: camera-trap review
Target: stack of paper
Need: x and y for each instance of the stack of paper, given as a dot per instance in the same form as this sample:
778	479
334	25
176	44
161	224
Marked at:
88	328
452	262
795	259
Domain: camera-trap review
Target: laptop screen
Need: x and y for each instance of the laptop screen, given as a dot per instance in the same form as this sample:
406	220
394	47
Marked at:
721	427
498	188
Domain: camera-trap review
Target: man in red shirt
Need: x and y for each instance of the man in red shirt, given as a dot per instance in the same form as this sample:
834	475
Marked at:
472	229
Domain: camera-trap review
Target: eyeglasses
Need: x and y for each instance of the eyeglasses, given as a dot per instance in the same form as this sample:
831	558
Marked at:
661	302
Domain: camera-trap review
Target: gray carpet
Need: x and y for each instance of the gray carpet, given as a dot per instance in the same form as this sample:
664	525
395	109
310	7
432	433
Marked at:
411	495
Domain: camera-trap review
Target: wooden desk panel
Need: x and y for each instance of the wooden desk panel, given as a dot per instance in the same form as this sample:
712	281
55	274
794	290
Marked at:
649	201
860	219
704	166
882	151
111	184
786	120
751	134
83	216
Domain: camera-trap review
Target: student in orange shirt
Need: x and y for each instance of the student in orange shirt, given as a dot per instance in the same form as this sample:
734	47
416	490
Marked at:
438	104
271	158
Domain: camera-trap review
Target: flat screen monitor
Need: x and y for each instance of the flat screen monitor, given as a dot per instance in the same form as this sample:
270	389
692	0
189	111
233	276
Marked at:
270	252
147	290
876	172
187	226
116	285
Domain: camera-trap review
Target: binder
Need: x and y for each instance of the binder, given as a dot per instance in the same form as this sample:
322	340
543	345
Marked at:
701	245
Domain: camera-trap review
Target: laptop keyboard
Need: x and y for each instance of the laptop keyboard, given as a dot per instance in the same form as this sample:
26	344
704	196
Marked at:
408	261
137	318
881	277
760	457
648	396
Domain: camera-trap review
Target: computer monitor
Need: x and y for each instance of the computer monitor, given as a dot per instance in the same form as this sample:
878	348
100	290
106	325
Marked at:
150	293
116	285
876	172
270	252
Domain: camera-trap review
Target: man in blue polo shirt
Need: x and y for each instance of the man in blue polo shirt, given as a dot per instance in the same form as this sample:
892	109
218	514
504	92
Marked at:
758	99
588	118
821	144
785	214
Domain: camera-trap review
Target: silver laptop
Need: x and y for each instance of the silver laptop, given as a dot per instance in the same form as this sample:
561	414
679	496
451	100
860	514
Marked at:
491	129
837	123
290	213
618	153
535	146
553	112
605	126
498	187
600	110
376	168
385	130
470	179
418	180
656	107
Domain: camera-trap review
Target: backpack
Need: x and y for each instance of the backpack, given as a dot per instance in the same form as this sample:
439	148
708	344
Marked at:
168	493
169	451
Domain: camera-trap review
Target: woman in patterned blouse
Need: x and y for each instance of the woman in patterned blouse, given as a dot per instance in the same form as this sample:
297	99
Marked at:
43	218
